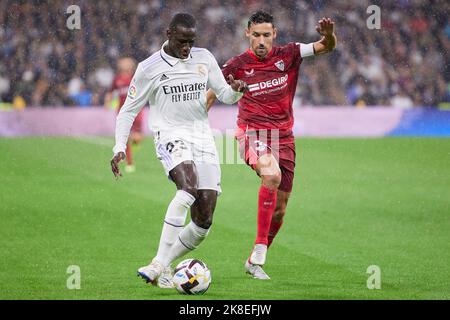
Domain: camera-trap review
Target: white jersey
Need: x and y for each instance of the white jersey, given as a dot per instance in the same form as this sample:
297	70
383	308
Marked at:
176	91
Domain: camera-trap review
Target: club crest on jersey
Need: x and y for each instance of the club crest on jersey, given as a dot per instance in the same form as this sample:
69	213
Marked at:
280	65
132	91
249	73
201	70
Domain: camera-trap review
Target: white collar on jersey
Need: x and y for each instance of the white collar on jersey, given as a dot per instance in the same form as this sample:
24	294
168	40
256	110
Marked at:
169	59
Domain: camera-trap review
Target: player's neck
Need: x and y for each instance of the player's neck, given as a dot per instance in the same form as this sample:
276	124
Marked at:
167	50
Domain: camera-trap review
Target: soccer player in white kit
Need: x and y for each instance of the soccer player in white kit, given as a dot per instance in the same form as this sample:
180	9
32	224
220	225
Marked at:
174	81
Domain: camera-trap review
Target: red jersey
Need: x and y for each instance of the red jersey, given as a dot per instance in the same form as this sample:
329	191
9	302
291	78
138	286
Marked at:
272	82
120	85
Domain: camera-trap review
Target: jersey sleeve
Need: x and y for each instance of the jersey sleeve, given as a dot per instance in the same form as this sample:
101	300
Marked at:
228	68
219	85
138	92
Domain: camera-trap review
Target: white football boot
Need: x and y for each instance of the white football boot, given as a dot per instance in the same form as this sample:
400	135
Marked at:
151	272
165	279
254	264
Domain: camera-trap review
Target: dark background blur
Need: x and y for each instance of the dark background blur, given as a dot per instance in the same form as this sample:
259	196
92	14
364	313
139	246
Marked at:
404	64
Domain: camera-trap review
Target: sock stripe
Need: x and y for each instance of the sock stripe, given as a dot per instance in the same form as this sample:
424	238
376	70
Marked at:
174	225
184	244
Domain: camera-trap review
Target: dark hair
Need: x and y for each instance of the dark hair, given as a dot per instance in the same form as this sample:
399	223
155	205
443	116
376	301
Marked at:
183	20
260	17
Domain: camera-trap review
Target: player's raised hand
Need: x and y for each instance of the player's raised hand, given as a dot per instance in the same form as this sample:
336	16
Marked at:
237	85
325	27
117	158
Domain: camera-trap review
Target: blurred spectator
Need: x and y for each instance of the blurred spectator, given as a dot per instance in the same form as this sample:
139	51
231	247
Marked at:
407	60
83	97
402	100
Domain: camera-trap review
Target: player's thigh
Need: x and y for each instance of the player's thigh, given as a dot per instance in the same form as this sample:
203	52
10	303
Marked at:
185	177
267	165
177	160
257	153
287	166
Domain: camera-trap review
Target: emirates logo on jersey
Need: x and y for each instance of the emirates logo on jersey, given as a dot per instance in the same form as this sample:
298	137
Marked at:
280	65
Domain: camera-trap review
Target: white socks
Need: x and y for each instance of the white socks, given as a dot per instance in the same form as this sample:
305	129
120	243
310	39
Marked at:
173	223
188	240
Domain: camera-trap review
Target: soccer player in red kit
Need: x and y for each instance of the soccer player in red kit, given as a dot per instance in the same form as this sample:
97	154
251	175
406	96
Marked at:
125	71
265	120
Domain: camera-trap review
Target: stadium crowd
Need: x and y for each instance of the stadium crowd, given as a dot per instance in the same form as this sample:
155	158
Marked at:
405	63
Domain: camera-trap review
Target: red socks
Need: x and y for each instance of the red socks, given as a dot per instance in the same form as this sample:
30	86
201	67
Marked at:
267	200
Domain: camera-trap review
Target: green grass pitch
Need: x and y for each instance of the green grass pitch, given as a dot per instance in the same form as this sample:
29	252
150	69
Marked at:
355	203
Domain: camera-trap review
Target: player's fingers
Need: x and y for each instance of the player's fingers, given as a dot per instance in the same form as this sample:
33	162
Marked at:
114	167
230	78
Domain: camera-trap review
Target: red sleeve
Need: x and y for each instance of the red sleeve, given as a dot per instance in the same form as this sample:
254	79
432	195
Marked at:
294	50
229	68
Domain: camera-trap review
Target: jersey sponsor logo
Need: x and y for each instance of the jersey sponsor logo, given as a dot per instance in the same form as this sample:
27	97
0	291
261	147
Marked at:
132	91
181	88
280	65
272	83
185	92
249	73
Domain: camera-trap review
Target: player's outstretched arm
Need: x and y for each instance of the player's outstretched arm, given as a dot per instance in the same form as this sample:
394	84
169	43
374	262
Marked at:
117	158
210	99
328	41
236	85
228	91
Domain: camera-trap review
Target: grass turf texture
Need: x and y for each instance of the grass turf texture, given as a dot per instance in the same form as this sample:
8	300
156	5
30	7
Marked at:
355	203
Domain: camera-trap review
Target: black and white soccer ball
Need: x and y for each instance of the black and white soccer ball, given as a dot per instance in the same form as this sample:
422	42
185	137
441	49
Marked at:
192	276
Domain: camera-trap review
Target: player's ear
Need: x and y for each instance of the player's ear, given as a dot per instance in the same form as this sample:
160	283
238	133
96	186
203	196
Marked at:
168	33
247	32
275	32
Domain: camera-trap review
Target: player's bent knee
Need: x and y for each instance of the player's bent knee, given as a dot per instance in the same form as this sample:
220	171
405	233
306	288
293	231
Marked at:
203	222
191	190
272	181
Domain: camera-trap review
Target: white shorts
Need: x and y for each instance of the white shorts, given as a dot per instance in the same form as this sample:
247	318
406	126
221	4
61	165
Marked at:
173	149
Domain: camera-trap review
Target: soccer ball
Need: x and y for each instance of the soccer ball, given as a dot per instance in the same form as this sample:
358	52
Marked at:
192	276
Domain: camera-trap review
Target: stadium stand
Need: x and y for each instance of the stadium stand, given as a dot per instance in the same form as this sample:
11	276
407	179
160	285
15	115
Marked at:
403	64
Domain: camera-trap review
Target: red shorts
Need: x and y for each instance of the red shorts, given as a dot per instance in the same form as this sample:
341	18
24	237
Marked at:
255	143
